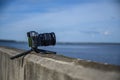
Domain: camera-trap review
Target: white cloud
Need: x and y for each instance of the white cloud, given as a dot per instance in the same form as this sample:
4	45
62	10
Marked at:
106	33
70	21
73	15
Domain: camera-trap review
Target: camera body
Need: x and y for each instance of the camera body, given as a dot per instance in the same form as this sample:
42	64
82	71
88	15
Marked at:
45	39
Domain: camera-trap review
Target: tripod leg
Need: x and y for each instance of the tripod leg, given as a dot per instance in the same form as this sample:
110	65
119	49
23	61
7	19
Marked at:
21	54
46	51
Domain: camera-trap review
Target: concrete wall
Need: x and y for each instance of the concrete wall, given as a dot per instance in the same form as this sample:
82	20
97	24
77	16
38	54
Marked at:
52	67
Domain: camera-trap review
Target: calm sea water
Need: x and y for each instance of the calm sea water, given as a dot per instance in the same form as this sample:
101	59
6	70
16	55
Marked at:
99	53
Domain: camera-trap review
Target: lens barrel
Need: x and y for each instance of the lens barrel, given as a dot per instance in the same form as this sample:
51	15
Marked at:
46	39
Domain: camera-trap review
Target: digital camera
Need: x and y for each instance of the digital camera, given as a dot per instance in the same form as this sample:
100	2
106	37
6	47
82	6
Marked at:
45	39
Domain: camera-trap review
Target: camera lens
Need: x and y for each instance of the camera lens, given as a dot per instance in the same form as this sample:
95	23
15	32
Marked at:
46	39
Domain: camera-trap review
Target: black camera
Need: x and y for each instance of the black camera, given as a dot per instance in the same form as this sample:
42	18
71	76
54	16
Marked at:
35	40
44	39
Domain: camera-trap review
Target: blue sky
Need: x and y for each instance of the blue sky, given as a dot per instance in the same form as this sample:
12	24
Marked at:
71	20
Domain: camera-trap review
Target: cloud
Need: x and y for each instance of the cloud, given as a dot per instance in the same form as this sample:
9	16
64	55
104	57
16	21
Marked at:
106	33
82	22
90	32
74	15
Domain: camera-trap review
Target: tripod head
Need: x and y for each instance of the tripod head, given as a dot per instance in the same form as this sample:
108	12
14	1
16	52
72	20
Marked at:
35	40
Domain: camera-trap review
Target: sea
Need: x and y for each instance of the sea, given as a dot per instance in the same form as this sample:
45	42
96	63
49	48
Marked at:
102	53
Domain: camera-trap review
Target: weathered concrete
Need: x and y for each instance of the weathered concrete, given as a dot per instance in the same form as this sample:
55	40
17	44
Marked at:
52	67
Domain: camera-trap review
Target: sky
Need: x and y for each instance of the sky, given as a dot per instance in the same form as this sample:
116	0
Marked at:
71	20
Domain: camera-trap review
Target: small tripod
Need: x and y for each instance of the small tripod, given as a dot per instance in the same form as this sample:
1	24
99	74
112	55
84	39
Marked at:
33	49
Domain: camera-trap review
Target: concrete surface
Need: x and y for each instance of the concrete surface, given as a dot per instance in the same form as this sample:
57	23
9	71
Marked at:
52	67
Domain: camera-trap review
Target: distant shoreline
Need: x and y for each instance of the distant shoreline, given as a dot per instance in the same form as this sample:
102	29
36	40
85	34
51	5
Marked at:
87	43
67	43
7	40
1	40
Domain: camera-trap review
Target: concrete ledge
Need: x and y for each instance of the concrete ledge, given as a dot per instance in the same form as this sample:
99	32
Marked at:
52	67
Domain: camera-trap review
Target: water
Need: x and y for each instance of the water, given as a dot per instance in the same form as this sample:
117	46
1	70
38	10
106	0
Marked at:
99	53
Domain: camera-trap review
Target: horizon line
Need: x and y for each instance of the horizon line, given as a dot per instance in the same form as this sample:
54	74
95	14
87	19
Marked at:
62	42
